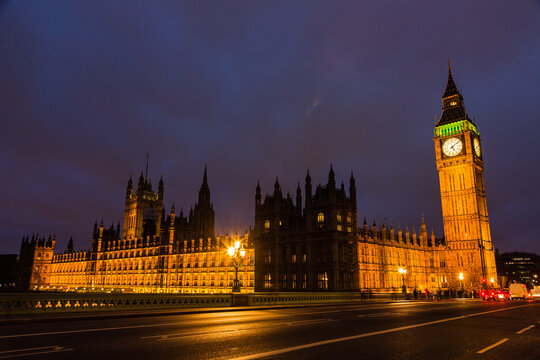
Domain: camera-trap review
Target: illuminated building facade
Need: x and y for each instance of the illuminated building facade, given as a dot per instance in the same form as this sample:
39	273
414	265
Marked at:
310	244
460	163
318	246
153	253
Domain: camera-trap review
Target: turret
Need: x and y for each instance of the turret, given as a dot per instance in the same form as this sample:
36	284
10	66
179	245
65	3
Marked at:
140	186
258	195
308	190
172	225
352	190
129	189
331	184
160	188
299	199
277	191
204	192
69	248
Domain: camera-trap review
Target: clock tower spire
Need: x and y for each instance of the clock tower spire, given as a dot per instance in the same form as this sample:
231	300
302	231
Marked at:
460	165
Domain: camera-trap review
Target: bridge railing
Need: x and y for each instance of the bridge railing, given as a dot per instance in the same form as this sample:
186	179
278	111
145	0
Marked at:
54	302
84	302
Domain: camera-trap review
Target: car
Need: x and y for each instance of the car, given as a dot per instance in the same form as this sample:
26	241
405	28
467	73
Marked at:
519	291
503	294
489	294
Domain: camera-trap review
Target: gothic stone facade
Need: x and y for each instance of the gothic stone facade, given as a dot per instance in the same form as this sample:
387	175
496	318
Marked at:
153	253
315	245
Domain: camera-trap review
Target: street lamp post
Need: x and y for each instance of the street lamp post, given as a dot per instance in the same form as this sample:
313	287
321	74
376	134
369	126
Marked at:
403	271
237	254
461	277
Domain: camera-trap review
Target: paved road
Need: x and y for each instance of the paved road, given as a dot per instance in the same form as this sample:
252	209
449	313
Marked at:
441	330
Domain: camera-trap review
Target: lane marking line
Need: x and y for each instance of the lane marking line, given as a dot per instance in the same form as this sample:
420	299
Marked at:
359	336
525	329
199	333
492	346
29	349
186	334
118	328
32	351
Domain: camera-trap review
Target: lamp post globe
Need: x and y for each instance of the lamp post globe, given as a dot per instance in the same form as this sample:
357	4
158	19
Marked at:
237	254
403	271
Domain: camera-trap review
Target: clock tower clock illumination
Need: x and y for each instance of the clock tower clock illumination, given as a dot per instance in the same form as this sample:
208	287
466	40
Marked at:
460	165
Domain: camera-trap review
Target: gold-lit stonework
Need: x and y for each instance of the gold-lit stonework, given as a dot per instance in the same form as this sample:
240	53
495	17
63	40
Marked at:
463	194
310	244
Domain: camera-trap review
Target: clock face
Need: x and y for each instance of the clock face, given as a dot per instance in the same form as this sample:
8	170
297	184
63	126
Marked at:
452	147
476	144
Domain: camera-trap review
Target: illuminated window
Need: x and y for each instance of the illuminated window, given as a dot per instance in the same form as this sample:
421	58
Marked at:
267	224
267	281
453	103
349	220
339	228
304	281
293	281
284	282
280	223
338	218
349	229
322	280
320	217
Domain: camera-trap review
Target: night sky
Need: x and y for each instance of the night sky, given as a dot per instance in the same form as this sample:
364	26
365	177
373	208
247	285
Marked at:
256	90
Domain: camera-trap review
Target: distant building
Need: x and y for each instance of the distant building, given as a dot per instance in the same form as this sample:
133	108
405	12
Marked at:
8	272
519	267
315	245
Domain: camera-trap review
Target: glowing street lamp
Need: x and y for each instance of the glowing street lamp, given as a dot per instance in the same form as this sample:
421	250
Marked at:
461	277
403	271
237	254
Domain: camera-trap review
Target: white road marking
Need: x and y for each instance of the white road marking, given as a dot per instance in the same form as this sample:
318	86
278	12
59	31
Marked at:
32	351
119	328
525	329
200	333
359	336
492	346
186	334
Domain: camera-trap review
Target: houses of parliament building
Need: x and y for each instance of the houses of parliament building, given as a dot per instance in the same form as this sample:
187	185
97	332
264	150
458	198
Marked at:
312	242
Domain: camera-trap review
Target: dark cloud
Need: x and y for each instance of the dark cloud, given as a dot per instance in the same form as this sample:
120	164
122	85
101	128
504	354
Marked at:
257	90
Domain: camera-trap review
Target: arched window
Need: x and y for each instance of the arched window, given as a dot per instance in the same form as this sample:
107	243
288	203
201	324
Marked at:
320	217
267	224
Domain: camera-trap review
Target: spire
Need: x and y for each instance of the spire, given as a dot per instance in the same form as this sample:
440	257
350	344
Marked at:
147	155
204	192
205	177
299	198
331	175
451	88
453	107
277	187
258	194
308	190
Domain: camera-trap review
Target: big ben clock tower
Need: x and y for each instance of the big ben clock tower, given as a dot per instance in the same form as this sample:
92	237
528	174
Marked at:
459	157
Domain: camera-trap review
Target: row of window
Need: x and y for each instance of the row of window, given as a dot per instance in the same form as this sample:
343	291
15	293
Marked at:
322	281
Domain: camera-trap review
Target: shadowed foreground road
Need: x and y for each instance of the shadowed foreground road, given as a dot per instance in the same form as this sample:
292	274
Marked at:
441	330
